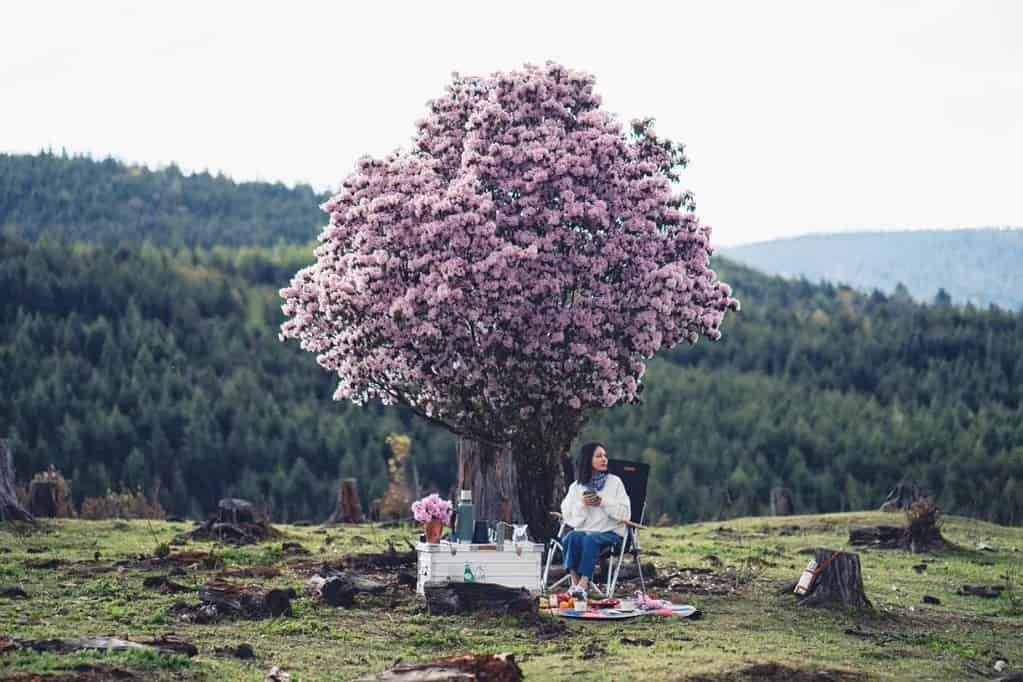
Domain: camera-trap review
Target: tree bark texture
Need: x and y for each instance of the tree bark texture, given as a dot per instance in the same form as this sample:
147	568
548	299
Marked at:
541	481
10	508
840	582
488	471
349	506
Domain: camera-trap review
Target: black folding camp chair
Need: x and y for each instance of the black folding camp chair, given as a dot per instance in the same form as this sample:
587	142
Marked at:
634	476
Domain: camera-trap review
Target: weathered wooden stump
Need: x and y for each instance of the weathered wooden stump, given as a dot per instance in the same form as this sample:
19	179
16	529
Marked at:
462	597
349	506
781	502
236	511
839	581
42	499
248	601
10	508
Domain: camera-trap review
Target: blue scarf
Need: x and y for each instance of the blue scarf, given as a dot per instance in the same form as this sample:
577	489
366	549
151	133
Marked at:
597	481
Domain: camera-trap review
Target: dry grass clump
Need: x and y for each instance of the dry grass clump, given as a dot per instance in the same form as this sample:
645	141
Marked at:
131	505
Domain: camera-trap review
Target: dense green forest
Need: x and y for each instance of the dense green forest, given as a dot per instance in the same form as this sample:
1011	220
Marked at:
159	367
79	199
979	266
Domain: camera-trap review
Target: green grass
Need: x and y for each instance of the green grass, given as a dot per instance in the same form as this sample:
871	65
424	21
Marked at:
901	639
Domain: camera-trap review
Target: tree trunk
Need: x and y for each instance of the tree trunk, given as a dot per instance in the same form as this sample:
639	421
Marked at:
840	582
488	471
349	507
10	508
541	472
781	502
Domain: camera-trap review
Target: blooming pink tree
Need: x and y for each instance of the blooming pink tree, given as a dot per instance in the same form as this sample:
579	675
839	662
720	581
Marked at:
510	274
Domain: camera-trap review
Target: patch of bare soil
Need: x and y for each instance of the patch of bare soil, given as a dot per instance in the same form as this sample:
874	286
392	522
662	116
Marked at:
704	581
782	673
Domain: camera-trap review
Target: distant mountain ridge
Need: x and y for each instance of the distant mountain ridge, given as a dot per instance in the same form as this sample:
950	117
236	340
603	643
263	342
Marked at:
980	266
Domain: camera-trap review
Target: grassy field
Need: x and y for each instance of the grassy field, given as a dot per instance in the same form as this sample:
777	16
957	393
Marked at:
749	629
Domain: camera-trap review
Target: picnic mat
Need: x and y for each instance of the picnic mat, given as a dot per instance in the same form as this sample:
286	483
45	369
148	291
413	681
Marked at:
624	612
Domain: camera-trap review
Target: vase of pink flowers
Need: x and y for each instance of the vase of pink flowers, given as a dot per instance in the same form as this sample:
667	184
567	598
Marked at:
434	513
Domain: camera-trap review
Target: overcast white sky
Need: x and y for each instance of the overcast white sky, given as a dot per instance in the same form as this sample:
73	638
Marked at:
798	116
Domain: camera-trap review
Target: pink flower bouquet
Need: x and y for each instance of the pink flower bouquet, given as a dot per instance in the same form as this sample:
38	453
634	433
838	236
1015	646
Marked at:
432	508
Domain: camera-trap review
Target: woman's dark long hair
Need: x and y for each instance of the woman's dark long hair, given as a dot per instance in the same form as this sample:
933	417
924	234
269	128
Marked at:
584	462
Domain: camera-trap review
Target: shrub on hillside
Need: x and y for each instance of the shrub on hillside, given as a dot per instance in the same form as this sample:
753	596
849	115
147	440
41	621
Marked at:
130	505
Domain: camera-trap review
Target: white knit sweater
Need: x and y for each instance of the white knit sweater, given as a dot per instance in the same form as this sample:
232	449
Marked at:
615	508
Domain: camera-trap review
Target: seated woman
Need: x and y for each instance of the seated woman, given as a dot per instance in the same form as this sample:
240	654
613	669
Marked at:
596	507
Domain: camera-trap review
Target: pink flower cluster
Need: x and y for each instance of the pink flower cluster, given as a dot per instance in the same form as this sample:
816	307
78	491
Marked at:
517	266
432	508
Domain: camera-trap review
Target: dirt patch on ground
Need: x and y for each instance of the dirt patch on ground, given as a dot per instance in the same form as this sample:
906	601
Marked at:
688	581
782	673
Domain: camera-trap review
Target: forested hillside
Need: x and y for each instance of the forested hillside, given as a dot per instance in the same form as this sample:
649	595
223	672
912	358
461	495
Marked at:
126	365
79	199
981	267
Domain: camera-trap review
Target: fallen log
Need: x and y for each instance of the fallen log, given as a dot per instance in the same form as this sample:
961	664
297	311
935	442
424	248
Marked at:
339	589
883	537
248	601
467	668
451	598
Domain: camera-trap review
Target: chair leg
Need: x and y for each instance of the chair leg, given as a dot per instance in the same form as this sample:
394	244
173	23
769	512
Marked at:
639	569
547	568
612	577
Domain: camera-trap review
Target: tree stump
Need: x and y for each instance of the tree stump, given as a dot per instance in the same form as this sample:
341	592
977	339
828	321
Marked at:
781	502
248	601
463	597
903	495
839	583
10	508
42	499
349	507
235	511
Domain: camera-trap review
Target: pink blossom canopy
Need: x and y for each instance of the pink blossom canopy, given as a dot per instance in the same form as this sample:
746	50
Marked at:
520	262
